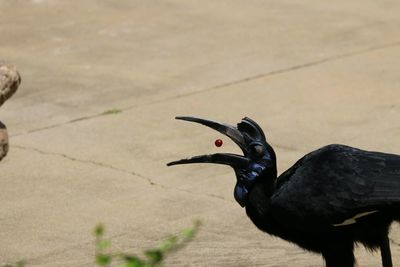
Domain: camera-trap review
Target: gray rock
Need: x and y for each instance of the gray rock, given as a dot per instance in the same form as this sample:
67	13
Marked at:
9	82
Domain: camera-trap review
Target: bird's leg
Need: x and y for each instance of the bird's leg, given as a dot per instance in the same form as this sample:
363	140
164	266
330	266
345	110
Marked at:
339	256
385	252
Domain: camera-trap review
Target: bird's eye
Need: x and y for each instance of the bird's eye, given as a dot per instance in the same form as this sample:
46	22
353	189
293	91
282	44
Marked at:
258	150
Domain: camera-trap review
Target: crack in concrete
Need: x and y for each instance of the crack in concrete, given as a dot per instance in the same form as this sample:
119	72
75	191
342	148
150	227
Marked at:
59	124
147	179
41	258
103	165
293	68
227	84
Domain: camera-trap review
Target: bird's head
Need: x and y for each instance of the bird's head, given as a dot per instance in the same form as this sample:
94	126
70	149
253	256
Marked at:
257	163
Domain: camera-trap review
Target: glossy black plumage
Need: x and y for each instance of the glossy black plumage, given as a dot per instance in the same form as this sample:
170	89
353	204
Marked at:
313	199
327	201
337	182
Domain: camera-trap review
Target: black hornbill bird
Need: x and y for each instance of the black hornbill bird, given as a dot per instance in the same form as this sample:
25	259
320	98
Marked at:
326	202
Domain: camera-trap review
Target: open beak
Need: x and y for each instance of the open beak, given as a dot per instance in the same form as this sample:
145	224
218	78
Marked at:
233	160
218	158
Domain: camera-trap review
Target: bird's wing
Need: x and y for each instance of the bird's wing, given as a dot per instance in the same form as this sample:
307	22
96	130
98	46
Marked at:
336	186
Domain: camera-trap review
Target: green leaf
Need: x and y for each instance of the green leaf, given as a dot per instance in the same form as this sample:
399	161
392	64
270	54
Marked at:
154	256
103	259
132	261
99	230
188	233
132	264
169	243
112	111
18	264
103	244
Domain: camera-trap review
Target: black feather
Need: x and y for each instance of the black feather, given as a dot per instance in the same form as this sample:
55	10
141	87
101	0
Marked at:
326	202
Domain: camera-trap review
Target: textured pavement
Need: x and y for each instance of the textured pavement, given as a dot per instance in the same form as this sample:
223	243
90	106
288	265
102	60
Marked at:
310	72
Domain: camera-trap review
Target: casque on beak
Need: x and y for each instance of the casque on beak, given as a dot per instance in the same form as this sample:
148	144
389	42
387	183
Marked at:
257	154
233	160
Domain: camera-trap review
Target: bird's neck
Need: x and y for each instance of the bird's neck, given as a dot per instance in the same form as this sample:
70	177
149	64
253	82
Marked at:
257	207
260	194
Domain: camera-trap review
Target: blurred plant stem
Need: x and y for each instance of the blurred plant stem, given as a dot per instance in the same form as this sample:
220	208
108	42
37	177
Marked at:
152	257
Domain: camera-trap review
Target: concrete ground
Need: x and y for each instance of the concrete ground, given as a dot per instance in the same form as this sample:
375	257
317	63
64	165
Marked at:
310	72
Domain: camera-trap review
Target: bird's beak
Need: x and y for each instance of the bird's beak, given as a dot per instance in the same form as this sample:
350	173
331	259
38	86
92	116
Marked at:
218	158
232	132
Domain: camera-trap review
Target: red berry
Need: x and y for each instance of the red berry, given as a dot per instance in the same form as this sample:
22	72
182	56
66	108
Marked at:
218	142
